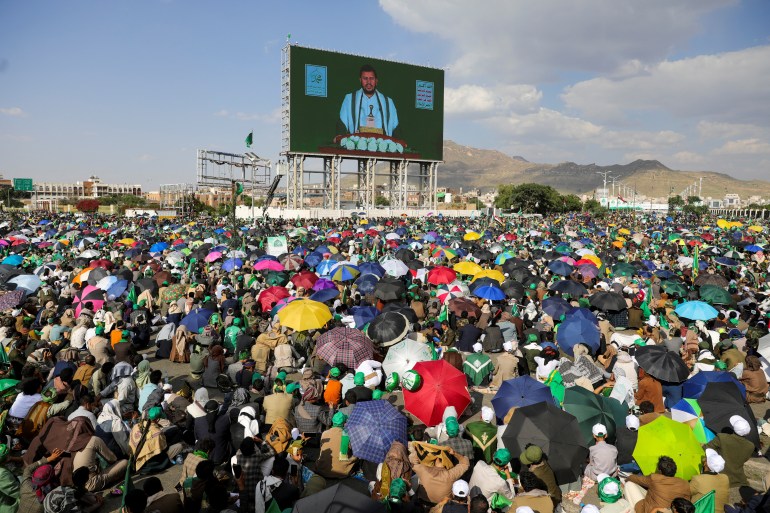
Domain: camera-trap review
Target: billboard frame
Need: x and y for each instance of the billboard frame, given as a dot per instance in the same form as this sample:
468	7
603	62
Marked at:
396	170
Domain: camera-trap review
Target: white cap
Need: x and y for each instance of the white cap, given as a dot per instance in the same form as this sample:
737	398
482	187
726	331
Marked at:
508	346
487	414
632	422
589	508
524	509
295	433
715	462
168	388
599	430
740	425
460	488
652	321
477	347
601	477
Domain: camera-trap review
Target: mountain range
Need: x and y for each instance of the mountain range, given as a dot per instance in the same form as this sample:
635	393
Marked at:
469	168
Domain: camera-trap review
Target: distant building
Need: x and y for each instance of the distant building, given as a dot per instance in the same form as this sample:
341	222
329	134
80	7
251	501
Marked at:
90	188
732	201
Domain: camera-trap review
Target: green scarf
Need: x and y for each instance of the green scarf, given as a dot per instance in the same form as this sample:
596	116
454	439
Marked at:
556	384
344	445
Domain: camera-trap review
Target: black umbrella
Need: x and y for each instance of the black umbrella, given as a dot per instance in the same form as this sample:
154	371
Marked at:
513	289
403	309
143	284
555	431
711	279
531	280
608	301
389	289
339	498
415	265
660	363
388	328
97	274
124	273
405	255
517	273
485	281
571	287
9	271
720	401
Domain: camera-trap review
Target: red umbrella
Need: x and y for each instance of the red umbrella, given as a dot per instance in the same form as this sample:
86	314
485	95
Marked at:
271	295
304	279
441	275
442	386
101	263
344	345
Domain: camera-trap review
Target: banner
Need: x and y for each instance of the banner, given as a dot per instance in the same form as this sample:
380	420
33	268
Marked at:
277	246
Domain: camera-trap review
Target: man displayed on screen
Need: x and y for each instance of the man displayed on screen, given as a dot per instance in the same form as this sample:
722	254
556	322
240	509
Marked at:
367	110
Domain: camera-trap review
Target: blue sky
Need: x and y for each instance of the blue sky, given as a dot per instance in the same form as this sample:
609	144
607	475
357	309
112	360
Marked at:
129	90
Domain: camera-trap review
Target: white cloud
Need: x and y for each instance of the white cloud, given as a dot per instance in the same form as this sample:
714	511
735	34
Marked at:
476	99
640	140
14	112
527	41
546	123
752	146
686	158
728	88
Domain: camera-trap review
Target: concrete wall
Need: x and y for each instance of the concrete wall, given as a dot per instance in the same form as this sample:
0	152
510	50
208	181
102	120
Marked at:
244	212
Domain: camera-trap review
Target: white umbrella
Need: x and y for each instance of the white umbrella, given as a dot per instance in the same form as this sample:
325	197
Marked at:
395	267
89	253
175	257
404	355
392	236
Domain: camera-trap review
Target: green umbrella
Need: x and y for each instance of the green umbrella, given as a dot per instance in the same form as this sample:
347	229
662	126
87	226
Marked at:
623	269
278	278
666	437
715	295
590	409
674	287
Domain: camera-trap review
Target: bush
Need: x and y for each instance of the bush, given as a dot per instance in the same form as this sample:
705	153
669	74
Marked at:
87	205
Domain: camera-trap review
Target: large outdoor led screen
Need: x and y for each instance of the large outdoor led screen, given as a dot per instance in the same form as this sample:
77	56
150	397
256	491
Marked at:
344	104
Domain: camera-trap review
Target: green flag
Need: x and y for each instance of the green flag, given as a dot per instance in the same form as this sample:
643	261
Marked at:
249	139
238	188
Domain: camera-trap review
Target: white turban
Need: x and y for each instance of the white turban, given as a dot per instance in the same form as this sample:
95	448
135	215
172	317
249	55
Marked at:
715	462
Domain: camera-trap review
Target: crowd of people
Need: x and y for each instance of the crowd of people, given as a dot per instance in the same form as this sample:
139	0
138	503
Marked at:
525	364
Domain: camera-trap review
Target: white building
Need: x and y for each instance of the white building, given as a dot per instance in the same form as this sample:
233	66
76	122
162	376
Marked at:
91	188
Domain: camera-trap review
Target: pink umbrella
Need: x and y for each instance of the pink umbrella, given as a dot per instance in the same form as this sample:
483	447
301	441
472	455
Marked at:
569	260
214	255
268	265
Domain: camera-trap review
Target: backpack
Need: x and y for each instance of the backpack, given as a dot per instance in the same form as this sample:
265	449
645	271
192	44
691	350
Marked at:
61	500
43	481
33	422
260	353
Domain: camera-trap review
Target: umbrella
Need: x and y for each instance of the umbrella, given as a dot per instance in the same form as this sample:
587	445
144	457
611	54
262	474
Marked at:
158	247
571	287
277	278
372	268
556	307
403	309
694	387
367	283
268	265
213	256
687	411
11	299
322	296
468	268
344	272
590	408
120	286
88	294
389	289
343	345
715	295
304	314
292	262
13	260
660	363
442	386
696	311
518	392
489	292
553	430
490	273
173	292
271	295
196	319
674	287
372	427
513	289
560	268
388	328
339	498
719	402
580	326
395	267
305	279
607	301
711	279
441	275
403	356
363	315
232	264
323	283
459	305
666	437
29	283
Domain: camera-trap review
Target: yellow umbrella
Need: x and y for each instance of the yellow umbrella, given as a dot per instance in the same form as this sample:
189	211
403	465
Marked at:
471	236
126	242
736	224
66	242
621	239
618	244
613	225
624	231
723	224
304	314
489	273
468	268
756	228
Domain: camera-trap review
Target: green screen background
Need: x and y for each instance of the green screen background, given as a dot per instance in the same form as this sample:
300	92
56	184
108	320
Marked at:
314	119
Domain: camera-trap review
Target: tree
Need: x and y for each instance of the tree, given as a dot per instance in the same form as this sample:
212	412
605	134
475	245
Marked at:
693	200
593	206
675	202
381	201
529	198
571	203
87	205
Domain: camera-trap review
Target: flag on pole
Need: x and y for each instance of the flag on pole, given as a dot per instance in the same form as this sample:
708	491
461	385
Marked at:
695	263
249	139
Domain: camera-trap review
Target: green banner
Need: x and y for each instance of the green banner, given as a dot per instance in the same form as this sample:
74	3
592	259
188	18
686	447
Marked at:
277	246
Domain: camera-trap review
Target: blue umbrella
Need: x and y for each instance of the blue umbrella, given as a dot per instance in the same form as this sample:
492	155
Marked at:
696	311
196	319
372	427
344	272
649	264
372	268
556	307
231	264
313	259
729	262
266	257
13	260
158	247
561	268
117	288
301	251
325	295
665	274
489	292
366	283
27	282
44	222
753	248
696	385
363	315
325	267
580	326
322	249
517	392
